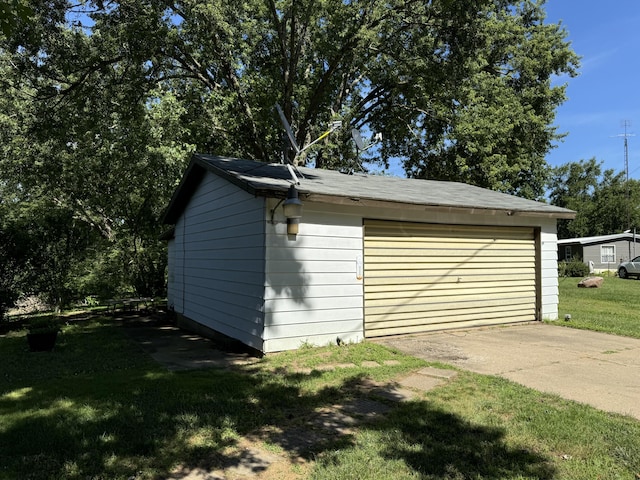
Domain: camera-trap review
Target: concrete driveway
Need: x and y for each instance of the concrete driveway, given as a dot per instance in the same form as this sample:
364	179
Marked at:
594	368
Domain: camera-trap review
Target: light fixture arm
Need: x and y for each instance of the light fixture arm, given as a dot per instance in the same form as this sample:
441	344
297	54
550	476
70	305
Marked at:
273	210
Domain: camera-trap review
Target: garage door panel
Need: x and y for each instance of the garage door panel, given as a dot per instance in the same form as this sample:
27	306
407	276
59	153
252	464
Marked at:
431	275
403	284
417	318
435	245
404	263
391	245
461	289
439	317
420	277
458	322
385	229
447	252
436	242
427	314
445	271
376	292
391	306
449	255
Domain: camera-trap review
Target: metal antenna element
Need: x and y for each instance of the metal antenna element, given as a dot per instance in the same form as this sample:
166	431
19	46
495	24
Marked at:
360	145
333	126
287	128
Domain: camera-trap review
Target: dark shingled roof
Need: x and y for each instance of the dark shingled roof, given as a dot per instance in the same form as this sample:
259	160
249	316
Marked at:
273	180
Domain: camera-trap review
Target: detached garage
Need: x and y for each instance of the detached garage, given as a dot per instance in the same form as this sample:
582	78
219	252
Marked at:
373	255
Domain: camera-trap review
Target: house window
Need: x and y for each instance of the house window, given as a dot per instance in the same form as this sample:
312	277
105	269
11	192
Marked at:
567	252
607	254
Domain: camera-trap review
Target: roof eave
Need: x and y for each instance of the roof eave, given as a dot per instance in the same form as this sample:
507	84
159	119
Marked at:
588	241
168	234
187	187
229	176
374	203
193	176
199	166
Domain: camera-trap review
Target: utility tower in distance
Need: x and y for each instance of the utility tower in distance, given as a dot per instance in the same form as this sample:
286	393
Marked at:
625	125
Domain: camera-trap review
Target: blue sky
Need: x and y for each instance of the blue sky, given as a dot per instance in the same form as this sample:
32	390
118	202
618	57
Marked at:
607	37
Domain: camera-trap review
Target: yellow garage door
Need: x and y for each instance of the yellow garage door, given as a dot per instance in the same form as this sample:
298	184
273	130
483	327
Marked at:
423	277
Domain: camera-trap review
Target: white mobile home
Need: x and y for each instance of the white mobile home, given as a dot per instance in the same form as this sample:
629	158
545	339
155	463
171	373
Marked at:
373	256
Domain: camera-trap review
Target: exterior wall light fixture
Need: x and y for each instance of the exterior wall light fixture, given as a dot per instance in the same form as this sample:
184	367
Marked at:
292	208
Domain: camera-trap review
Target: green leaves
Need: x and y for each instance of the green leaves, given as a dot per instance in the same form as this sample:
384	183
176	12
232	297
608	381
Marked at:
454	86
604	201
103	102
11	13
496	124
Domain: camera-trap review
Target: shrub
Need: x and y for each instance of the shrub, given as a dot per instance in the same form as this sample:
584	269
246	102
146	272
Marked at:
44	325
573	268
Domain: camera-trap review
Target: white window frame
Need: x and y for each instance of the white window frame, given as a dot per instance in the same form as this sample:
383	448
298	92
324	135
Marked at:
609	257
567	252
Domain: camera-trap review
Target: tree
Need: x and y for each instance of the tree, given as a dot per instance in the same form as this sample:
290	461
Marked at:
462	90
615	204
109	161
572	186
104	101
12	12
42	246
9	289
485	106
604	202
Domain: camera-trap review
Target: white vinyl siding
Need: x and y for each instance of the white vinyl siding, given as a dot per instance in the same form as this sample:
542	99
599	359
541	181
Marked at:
548	266
312	293
421	277
218	276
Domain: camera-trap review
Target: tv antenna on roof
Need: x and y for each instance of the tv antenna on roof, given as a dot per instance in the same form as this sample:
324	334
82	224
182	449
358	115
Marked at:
360	145
333	126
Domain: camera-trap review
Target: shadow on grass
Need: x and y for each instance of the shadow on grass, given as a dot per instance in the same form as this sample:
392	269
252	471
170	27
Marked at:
439	444
98	408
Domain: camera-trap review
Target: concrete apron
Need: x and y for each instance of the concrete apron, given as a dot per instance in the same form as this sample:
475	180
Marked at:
598	369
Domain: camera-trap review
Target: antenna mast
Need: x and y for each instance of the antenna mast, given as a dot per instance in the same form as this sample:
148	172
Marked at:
333	126
626	124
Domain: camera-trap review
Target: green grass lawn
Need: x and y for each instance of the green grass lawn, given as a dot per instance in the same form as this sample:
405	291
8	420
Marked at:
613	308
99	408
